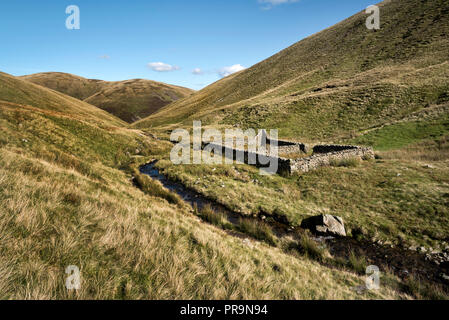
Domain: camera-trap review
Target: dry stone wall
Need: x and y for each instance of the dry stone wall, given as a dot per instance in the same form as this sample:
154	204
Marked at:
323	156
320	159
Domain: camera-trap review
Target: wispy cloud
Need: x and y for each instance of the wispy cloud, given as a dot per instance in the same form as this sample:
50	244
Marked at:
162	67
197	71
227	71
105	57
268	4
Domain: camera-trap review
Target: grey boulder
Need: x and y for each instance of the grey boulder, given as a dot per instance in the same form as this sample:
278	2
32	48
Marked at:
325	225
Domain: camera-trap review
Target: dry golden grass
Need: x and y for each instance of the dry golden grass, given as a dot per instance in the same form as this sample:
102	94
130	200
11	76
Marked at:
132	246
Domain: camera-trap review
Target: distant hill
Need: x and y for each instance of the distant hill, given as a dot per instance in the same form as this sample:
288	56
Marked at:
339	81
129	100
30	96
135	99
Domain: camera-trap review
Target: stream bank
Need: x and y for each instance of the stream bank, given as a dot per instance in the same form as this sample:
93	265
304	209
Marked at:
399	261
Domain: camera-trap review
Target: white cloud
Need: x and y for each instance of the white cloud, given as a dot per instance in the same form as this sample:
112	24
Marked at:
272	3
227	71
197	71
162	67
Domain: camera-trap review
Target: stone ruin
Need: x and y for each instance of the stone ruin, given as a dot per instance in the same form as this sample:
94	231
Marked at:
323	155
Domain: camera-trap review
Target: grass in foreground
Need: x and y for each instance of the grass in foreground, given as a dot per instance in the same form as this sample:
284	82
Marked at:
67	198
129	245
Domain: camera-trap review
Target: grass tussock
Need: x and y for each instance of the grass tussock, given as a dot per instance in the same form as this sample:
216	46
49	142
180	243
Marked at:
357	263
258	230
424	151
213	217
155	188
310	248
424	290
347	162
305	246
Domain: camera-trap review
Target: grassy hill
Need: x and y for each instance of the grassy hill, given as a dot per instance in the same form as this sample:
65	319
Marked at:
66	198
129	100
387	89
69	84
342	80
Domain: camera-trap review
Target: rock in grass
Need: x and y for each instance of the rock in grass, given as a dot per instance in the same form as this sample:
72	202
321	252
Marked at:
325	225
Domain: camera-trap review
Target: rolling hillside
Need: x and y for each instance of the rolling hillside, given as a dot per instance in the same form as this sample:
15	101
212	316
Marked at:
335	83
71	192
66	198
129	100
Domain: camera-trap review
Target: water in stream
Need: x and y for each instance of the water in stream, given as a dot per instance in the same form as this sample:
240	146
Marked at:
192	197
394	258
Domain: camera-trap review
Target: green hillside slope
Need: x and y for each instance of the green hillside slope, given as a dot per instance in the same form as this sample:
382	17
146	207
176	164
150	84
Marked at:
344	79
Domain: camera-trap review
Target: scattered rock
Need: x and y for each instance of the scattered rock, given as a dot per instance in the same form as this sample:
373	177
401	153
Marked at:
428	166
325	225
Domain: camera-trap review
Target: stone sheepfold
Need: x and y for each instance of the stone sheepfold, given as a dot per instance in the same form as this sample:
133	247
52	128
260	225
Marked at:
323	155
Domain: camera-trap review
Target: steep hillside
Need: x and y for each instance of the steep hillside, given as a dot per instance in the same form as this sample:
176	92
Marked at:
336	82
129	100
66	198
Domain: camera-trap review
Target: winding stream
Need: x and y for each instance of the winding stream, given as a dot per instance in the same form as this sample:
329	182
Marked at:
396	258
191	197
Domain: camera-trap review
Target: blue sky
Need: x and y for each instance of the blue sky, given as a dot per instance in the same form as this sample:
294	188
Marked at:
121	40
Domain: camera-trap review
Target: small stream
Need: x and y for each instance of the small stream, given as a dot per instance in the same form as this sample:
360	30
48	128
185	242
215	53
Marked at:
398	259
191	197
